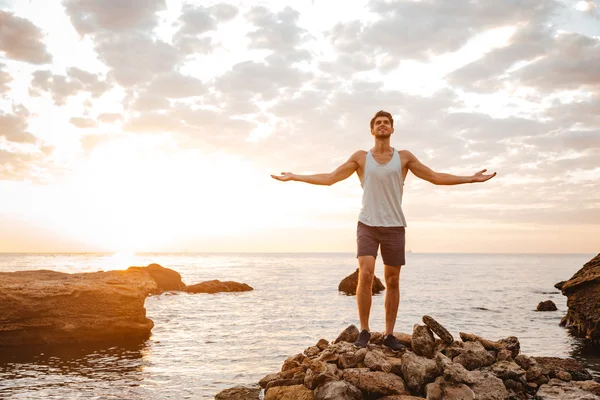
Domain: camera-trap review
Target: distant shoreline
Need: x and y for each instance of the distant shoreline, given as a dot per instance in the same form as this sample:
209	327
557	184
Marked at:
270	253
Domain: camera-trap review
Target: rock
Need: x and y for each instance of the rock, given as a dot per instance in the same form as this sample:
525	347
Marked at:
239	393
268	378
337	390
401	397
216	286
295	392
284	382
560	285
547	305
473	355
314	379
423	342
348	284
438	329
375	360
510	343
552	365
418	371
49	307
166	279
347	360
508	370
559	390
350	335
488	387
377	383
524	361
583	295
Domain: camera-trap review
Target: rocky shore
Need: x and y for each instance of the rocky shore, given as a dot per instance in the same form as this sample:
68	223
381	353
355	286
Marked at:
52	308
441	368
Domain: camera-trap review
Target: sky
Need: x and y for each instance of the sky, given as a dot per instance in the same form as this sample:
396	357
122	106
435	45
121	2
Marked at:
154	125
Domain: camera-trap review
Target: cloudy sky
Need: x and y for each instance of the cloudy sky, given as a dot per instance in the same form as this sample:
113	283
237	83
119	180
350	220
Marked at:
153	125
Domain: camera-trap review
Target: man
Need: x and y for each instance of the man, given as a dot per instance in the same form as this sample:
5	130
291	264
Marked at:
382	172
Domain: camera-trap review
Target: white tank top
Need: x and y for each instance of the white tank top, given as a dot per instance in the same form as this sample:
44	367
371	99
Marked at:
382	192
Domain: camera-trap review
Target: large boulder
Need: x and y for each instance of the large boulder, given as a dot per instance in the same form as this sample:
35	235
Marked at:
166	279
216	286
49	307
583	297
348	284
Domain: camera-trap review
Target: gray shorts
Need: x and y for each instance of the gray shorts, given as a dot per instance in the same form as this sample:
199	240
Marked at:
391	239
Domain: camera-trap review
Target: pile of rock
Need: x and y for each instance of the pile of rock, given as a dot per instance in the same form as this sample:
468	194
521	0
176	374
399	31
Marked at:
436	369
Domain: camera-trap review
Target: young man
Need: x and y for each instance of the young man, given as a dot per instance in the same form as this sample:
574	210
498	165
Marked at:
382	172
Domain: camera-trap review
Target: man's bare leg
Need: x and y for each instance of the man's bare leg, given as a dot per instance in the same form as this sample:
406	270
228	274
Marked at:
392	297
364	291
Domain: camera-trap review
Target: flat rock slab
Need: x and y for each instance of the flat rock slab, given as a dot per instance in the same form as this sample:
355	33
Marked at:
48	307
216	286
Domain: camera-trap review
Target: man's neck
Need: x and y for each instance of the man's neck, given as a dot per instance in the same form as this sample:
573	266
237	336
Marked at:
382	146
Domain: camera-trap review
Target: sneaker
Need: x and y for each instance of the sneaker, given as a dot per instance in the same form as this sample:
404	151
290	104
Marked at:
363	338
391	342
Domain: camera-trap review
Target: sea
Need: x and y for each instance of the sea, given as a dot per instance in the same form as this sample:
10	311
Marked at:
202	344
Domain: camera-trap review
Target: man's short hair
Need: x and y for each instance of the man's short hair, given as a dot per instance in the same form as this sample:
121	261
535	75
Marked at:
382	113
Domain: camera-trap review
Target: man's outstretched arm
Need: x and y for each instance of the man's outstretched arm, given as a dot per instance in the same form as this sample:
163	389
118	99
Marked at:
438	178
342	172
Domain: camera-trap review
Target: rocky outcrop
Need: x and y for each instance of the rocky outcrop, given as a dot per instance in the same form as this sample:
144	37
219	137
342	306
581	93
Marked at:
166	279
348	284
583	297
475	368
216	286
547	305
49	307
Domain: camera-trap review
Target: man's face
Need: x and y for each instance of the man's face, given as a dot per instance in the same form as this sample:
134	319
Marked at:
382	128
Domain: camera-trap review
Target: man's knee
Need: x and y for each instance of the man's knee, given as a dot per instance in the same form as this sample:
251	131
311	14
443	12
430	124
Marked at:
392	281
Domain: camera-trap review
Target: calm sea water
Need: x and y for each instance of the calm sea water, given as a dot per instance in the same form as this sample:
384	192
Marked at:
203	343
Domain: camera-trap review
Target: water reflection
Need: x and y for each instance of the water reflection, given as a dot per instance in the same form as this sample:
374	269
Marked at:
588	354
94	369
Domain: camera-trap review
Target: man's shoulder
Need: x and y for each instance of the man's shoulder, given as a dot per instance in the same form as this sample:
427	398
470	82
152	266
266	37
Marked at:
359	153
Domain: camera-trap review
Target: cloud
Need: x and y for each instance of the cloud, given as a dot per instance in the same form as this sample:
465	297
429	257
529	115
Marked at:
418	30
61	87
21	40
176	85
109	118
135	58
571	64
91	16
83	122
13	126
5	79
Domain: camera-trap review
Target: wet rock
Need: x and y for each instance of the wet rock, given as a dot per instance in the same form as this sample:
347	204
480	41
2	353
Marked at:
348	284
268	378
49	307
238	393
350	334
552	365
547	305
556	389
438	329
166	279
337	390
423	342
583	294
216	286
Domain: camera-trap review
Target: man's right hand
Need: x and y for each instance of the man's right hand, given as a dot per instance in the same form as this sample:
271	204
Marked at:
284	177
